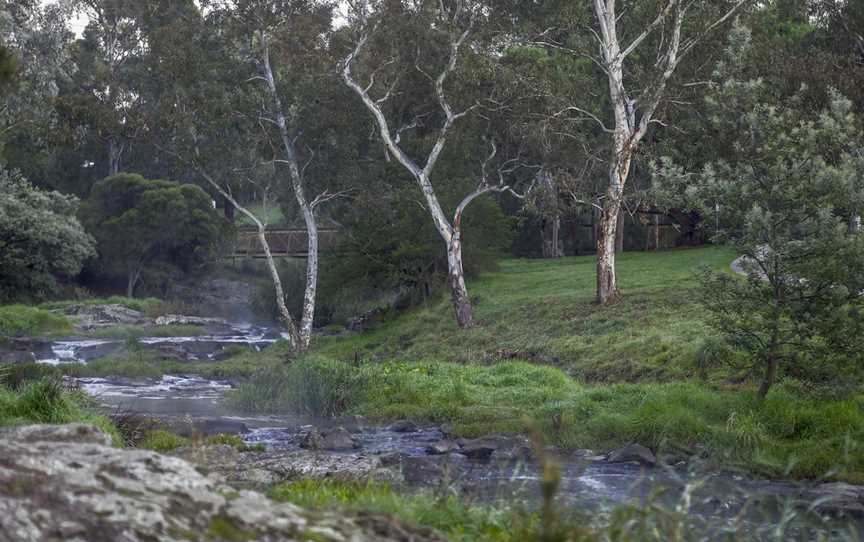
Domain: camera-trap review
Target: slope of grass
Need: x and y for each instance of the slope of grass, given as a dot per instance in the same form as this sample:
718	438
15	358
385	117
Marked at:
24	321
45	401
543	310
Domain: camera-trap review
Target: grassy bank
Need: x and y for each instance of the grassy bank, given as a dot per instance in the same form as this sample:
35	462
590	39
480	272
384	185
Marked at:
45	401
24	321
789	434
461	520
543	310
543	356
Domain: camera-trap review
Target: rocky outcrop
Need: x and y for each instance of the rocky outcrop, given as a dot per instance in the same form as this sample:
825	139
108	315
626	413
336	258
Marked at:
68	483
98	316
179	319
334	440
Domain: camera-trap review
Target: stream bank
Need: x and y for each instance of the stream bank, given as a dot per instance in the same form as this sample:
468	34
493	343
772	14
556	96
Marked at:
494	469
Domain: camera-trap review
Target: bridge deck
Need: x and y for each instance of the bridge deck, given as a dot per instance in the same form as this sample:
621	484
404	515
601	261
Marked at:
283	243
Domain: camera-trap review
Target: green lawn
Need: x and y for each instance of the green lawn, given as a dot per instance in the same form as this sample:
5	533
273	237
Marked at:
543	310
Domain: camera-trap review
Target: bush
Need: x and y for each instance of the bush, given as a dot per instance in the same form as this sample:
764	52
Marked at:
42	239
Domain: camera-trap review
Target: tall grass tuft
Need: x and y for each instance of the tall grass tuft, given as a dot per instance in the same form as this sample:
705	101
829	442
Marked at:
312	386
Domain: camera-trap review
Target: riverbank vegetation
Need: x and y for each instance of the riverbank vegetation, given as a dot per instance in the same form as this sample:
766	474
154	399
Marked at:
542	356
45	401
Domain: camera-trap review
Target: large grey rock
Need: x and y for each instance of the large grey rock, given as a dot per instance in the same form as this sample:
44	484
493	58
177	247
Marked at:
632	453
339	439
334	440
66	483
95	316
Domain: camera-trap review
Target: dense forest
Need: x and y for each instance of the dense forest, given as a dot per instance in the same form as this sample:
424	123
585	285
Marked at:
629	228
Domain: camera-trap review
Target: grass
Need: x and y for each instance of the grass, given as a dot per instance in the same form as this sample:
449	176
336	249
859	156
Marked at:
45	401
543	310
270	215
461	520
24	321
162	441
139	362
448	515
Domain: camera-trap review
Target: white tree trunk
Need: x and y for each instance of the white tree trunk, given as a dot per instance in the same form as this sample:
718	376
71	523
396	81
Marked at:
115	152
450	234
456	279
627	132
309	296
293	336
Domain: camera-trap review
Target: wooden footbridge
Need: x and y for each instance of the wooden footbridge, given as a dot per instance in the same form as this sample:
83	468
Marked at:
284	242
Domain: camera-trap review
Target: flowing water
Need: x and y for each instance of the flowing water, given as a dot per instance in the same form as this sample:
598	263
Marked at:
587	484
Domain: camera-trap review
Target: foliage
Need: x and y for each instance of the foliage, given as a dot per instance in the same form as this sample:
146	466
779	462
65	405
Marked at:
141	224
40	239
21	320
784	203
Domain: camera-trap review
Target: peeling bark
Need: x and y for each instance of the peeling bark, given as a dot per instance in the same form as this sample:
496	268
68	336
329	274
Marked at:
307	208
629	128
451	234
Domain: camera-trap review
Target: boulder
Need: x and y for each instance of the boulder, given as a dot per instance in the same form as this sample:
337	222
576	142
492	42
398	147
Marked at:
404	426
312	440
95	316
632	453
67	483
499	447
338	439
333	440
17	357
478	449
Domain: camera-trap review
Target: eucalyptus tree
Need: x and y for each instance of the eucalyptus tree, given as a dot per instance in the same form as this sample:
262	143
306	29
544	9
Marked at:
104	101
634	113
238	98
35	42
436	40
